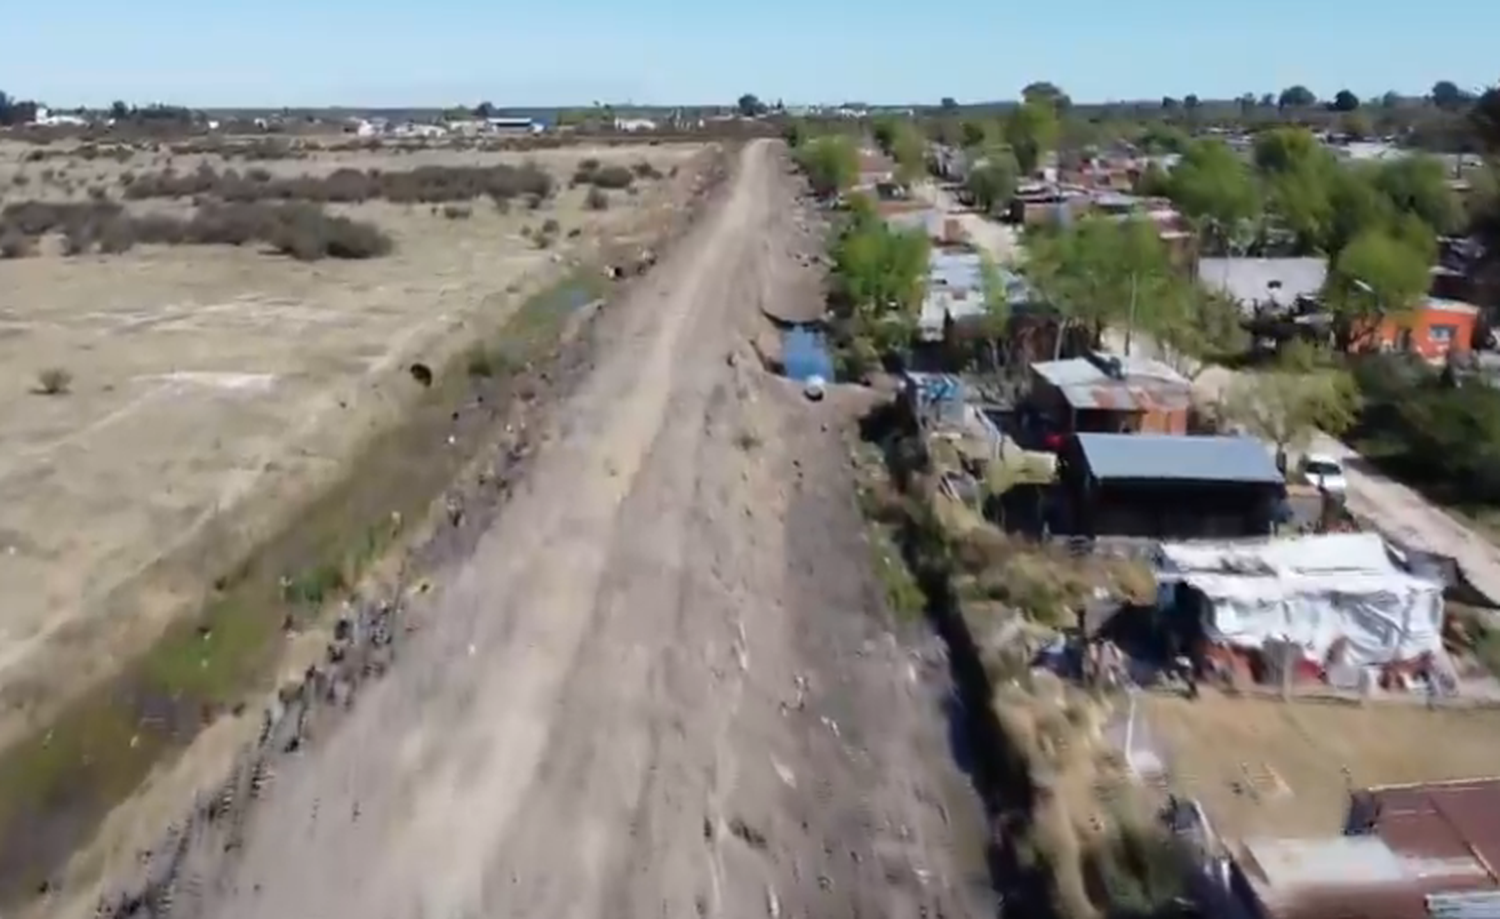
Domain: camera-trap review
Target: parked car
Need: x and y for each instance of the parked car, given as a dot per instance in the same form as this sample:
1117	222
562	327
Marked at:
1324	472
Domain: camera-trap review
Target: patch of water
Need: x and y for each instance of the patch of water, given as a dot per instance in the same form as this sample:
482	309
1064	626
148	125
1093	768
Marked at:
804	354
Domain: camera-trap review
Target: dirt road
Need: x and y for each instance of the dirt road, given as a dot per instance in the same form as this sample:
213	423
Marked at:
657	688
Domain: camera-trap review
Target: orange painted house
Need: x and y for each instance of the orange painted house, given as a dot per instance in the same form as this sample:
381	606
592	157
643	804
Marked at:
1433	330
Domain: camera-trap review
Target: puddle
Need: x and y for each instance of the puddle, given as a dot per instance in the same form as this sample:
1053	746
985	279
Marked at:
804	354
569	298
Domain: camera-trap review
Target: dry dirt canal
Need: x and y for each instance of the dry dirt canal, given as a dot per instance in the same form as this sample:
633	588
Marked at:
658	687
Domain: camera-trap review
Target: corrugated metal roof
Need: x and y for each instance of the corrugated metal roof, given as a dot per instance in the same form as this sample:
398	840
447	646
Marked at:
1181	458
1142	384
1453	828
955	270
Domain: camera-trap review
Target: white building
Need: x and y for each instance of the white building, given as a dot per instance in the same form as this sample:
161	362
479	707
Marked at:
46	118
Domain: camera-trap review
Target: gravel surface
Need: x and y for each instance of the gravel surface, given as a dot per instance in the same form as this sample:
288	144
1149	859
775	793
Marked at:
659	685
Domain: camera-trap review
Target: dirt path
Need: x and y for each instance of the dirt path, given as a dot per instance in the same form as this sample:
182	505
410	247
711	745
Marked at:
655	688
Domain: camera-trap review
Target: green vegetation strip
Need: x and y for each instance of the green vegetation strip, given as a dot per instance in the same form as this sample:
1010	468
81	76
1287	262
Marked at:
58	784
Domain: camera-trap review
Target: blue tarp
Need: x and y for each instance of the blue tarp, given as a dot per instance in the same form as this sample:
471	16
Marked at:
805	355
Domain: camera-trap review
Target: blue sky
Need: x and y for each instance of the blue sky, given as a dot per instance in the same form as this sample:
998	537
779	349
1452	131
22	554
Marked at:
380	52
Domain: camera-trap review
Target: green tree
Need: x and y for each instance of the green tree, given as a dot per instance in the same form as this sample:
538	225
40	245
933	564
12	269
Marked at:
1355	125
1164	138
884	131
1377	276
948	104
1447	96
1098	272
993	179
1153	182
1296	97
974	134
1048	94
879	272
1419	185
1285	149
1345	101
831	162
910	152
750	106
1031	130
1484	120
1300	202
997	309
1194	326
1213	187
1289	403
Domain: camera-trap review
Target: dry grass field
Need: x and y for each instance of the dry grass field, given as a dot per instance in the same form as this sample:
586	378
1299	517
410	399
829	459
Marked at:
1262	767
198	391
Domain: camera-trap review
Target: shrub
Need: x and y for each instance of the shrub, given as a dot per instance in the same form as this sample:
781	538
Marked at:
550	226
644	170
15	244
612	177
20	180
98	193
597	199
457	212
77	240
116	236
54	381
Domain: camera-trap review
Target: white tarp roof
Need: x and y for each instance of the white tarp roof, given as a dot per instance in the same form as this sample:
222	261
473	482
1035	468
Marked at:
1313	591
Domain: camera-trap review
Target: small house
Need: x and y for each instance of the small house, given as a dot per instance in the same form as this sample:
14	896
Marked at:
1108	393
1167	486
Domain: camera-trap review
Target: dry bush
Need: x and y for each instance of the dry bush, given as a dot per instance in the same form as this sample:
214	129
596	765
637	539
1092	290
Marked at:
644	170
20	180
1046	582
597	199
77	240
54	381
457	212
301	230
425	184
34	218
15	244
116	236
612	177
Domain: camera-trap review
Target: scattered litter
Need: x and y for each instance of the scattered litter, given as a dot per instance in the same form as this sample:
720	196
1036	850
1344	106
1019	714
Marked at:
773	904
831	725
784	773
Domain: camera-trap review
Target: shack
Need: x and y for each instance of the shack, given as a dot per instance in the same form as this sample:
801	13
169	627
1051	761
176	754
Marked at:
1329	606
1107	393
1167	486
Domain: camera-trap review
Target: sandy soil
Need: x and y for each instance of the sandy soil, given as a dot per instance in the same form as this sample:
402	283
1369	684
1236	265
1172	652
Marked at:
213	387
1264	767
657	687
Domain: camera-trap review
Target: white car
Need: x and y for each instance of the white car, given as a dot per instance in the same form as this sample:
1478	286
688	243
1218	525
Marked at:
1323	471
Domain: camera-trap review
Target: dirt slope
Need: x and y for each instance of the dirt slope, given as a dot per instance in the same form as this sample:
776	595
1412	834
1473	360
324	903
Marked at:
655	689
